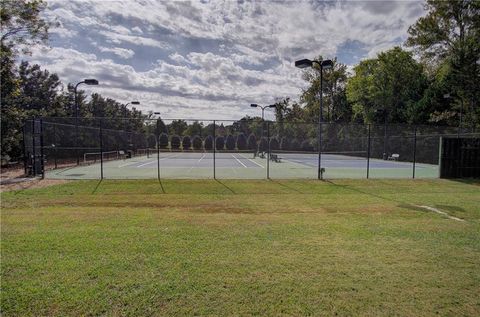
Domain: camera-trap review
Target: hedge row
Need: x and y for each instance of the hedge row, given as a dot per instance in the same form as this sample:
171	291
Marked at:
234	143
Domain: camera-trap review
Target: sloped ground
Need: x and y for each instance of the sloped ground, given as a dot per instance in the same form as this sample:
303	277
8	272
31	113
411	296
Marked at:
144	248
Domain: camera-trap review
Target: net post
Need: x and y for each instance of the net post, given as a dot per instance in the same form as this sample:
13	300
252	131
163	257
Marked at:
268	153
101	149
368	151
42	157
214	149
414	149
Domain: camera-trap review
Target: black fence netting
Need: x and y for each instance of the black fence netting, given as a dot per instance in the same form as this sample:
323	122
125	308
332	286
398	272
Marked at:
118	148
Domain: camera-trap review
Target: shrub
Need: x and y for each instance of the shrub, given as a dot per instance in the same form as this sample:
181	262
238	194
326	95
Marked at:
219	143
306	145
175	142
241	142
208	143
294	145
230	142
186	143
163	141
197	143
274	144
263	145
252	142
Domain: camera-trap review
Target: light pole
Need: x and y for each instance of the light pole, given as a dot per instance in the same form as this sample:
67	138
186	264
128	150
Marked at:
254	105
324	64
125	113
86	82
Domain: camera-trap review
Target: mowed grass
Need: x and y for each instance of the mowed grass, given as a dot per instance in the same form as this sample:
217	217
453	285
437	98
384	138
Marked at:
267	248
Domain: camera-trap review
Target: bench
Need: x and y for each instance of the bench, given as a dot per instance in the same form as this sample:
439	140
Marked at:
394	157
275	158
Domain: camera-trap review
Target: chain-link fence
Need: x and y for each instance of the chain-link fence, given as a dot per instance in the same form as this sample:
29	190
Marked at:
117	148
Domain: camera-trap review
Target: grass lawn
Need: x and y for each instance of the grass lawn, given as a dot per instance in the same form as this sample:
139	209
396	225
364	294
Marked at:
267	248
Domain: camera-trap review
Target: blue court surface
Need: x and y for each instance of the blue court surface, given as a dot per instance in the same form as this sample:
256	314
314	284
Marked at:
242	165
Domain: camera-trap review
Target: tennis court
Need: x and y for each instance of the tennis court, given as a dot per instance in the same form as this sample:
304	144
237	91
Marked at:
240	165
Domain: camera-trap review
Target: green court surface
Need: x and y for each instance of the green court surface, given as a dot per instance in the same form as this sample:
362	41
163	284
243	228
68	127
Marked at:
241	166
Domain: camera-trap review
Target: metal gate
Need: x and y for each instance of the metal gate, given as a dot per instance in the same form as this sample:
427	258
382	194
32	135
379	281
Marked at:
33	148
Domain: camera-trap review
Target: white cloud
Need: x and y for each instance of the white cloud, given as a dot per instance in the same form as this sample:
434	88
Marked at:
120	52
212	59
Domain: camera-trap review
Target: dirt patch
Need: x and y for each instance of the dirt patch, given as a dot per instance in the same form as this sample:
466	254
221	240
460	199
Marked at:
31	183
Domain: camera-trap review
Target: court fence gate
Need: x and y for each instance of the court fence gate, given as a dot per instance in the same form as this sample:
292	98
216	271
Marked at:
120	148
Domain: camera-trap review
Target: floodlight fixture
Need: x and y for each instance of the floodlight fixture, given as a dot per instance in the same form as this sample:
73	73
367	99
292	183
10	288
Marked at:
90	81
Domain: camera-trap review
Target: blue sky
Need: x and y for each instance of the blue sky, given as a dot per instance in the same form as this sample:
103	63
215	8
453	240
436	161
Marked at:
211	59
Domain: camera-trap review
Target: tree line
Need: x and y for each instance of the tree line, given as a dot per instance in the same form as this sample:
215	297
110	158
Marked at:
434	82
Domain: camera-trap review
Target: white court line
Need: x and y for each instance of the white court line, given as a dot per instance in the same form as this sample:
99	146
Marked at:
251	160
239	161
201	158
145	164
171	156
129	163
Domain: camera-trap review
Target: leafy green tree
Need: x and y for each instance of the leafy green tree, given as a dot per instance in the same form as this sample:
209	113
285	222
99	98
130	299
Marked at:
230	142
197	143
388	87
186	143
449	35
334	97
177	127
23	25
194	129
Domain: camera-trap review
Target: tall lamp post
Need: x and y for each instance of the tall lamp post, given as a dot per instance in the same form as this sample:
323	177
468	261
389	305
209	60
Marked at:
254	105
324	64
125	113
86	82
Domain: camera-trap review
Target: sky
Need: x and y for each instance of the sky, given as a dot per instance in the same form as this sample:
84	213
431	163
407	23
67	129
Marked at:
212	59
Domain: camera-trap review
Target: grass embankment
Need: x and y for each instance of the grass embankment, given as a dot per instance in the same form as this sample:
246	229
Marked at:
242	248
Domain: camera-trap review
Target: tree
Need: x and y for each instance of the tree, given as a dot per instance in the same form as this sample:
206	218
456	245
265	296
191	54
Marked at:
241	142
186	143
230	142
175	142
220	143
194	129
163	140
197	143
449	35
334	98
23	25
252	142
208	144
387	88
177	127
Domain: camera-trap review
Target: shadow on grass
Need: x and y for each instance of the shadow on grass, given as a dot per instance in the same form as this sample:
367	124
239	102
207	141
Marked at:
286	186
161	185
94	191
224	185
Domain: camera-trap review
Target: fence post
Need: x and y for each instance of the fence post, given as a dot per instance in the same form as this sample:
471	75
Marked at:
42	157
414	149
268	153
55	144
24	148
368	152
101	148
158	149
320	176
214	149
34	150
